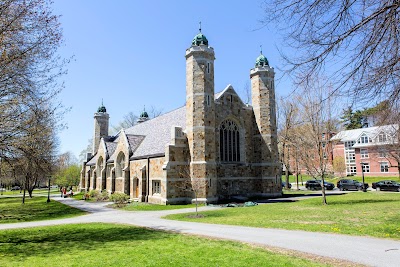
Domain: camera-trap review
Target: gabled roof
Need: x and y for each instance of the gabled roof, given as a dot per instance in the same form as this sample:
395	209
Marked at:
134	141
229	87
93	160
110	146
371	132
149	138
156	132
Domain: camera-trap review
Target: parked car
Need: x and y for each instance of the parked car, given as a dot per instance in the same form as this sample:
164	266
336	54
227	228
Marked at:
316	185
348	184
386	185
15	188
284	185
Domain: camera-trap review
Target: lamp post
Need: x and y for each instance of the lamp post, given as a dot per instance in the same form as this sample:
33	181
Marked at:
48	192
362	172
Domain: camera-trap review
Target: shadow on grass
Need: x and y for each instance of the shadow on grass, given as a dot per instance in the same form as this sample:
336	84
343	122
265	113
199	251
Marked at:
70	238
12	210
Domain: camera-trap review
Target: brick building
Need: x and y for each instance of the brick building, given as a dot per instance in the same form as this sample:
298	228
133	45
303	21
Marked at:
368	148
225	147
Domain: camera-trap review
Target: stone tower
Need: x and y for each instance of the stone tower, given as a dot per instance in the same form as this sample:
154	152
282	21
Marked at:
200	116
101	119
263	101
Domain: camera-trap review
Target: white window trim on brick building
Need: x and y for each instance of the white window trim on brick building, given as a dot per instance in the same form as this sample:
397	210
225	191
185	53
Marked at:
366	167
384	166
364	153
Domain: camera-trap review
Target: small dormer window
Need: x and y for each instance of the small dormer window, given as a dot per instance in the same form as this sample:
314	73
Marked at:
364	139
382	138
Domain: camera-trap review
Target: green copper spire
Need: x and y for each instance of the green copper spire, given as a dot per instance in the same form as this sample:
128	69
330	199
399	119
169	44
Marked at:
200	39
144	113
102	108
261	61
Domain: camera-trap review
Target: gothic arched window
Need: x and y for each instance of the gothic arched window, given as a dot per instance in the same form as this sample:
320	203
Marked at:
120	165
229	146
100	165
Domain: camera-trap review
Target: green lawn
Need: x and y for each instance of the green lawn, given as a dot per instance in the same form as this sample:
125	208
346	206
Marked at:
12	210
367	214
35	192
121	245
367	179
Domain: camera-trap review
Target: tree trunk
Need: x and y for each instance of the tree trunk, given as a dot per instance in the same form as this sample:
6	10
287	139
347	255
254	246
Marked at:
398	169
287	177
23	196
323	191
30	192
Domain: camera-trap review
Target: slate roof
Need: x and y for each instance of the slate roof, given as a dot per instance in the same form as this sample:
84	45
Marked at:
110	146
134	141
92	161
156	133
149	138
371	132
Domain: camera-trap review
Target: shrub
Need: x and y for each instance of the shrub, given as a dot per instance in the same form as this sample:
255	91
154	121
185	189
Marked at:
119	198
103	196
94	193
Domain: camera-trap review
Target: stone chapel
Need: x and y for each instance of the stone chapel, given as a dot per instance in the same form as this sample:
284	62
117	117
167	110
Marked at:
215	145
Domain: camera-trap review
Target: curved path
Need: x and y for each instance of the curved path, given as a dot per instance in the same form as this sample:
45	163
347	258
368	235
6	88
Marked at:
362	250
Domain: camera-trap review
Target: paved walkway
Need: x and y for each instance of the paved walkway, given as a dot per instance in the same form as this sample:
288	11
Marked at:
362	250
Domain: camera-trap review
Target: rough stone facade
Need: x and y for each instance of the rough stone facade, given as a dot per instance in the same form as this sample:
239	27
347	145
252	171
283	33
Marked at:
215	147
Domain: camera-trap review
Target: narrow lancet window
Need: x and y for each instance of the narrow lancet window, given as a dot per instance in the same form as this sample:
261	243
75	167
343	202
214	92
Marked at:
229	142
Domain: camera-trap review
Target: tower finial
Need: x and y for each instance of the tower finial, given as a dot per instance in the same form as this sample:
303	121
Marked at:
102	102
261	49
199	26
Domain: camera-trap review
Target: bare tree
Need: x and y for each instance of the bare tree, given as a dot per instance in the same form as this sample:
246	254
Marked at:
354	43
29	69
131	119
339	166
128	121
287	120
246	93
195	186
36	148
312	135
88	149
155	112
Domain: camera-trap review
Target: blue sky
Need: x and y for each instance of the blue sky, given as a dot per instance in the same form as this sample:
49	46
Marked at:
131	54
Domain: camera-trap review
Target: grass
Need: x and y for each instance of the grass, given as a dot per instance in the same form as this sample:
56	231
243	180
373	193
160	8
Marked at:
35	192
12	210
367	179
141	206
121	245
374	214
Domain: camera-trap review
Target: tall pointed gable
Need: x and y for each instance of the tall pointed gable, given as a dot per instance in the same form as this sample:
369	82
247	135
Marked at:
228	92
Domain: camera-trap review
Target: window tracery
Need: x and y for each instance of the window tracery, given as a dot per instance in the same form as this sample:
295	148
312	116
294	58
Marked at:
229	142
